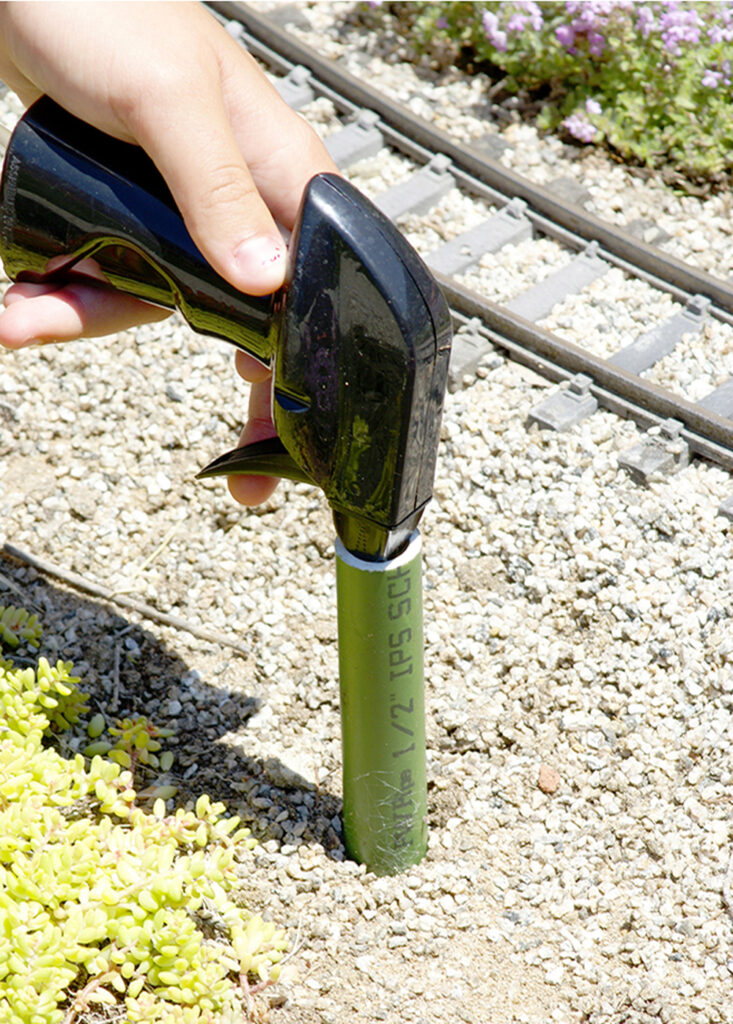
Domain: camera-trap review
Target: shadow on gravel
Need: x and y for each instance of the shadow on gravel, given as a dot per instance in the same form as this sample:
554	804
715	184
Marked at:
128	671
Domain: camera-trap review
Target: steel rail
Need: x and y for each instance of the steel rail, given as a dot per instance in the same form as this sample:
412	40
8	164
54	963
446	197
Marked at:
707	434
420	153
666	269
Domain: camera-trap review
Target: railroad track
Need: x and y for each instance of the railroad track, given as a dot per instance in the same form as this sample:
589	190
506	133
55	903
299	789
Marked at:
677	428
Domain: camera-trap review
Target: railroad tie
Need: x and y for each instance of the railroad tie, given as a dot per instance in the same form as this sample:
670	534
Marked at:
658	342
720	400
507	227
568	405
661	452
535	303
358	140
471	347
295	88
420	192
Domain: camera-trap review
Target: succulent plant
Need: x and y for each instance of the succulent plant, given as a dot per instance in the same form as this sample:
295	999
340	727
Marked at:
102	901
17	624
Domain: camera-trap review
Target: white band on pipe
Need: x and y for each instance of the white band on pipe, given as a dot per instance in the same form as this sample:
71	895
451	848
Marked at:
411	552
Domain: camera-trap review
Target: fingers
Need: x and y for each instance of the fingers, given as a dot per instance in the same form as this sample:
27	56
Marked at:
219	201
250	368
198	155
252	490
35	314
281	150
253	159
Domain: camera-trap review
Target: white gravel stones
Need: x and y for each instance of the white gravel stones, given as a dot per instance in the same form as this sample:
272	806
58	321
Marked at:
452	216
504	275
377	173
579	672
610	313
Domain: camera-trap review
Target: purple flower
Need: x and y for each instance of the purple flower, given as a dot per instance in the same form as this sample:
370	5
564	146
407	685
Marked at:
590	20
678	26
517	23
565	37
592	107
722	30
521	13
494	34
714	76
594	14
533	12
645	21
720	34
577	126
441	23
596	44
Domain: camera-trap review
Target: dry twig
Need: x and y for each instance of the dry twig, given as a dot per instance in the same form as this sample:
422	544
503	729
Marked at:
80	583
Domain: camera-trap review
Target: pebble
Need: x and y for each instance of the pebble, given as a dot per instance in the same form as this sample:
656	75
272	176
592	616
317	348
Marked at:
548	779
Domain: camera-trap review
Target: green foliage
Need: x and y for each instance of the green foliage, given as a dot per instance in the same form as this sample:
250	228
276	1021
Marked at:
651	81
131	743
101	901
16	625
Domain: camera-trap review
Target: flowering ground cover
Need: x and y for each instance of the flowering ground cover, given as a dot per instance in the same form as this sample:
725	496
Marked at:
652	82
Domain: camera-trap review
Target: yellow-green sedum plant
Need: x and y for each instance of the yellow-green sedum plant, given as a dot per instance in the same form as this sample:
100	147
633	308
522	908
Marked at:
101	901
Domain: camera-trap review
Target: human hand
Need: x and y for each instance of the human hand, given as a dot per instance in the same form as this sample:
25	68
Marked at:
169	78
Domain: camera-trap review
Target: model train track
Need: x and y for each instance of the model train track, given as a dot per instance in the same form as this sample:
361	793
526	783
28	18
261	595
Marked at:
679	427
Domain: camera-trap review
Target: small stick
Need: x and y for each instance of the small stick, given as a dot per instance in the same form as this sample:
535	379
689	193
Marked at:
80	583
116	681
728	887
5	582
138	569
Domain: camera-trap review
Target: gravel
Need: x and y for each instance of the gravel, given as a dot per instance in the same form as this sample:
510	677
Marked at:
579	655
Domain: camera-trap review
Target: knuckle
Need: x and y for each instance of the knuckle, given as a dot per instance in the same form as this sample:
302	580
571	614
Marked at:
132	103
227	185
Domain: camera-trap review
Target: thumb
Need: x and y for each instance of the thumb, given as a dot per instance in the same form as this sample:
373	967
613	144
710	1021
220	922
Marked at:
216	194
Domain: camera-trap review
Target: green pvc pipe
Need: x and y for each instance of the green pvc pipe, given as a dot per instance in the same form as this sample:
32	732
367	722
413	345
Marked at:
382	708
